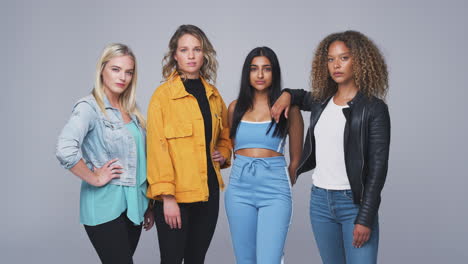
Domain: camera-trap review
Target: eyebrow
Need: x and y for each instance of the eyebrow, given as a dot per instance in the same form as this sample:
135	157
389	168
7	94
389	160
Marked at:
115	66
265	65
345	53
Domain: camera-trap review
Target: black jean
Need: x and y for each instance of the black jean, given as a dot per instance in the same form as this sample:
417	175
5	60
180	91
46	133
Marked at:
115	241
191	242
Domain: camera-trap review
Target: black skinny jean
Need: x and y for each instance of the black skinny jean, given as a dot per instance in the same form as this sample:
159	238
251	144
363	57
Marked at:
115	241
191	242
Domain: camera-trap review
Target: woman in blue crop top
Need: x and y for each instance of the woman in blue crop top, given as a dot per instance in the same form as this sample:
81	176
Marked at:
103	143
258	198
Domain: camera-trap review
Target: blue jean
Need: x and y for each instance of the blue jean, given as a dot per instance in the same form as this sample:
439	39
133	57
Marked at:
259	207
332	214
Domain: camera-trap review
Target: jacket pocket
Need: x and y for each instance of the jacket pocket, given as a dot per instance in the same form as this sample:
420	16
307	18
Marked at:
180	141
178	131
112	130
114	140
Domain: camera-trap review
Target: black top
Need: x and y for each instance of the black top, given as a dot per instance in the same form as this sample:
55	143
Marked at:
195	87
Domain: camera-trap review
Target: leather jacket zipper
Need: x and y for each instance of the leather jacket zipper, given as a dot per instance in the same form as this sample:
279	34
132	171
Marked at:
311	133
362	153
308	155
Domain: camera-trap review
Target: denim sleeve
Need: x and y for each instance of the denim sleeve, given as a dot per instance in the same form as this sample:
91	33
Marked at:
68	150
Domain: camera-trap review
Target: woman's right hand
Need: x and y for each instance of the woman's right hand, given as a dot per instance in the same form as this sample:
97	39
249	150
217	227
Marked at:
283	103
106	173
171	212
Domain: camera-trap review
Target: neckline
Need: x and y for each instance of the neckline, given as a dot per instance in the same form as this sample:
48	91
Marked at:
337	105
193	80
255	122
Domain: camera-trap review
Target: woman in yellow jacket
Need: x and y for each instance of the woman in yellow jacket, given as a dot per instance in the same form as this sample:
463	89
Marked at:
188	143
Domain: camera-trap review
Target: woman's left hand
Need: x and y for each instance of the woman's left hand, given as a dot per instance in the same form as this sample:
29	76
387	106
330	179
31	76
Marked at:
361	235
148	222
218	157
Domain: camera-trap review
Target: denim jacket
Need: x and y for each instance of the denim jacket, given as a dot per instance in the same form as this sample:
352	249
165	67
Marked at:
96	138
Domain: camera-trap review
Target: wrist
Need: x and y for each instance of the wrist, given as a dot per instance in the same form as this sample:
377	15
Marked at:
93	179
293	165
168	198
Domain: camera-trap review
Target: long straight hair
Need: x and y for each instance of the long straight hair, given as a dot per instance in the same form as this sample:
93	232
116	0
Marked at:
247	92
127	99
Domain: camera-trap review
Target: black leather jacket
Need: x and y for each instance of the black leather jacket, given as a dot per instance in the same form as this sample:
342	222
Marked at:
366	147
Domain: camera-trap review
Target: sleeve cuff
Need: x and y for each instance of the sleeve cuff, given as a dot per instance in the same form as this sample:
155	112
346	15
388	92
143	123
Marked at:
68	161
158	189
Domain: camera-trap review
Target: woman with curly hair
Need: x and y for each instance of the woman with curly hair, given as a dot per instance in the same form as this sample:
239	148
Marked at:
347	145
188	143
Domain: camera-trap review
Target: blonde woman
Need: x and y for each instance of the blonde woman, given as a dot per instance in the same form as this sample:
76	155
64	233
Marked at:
103	143
188	143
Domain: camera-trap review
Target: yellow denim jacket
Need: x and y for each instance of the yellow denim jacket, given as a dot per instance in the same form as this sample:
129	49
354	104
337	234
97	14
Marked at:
176	162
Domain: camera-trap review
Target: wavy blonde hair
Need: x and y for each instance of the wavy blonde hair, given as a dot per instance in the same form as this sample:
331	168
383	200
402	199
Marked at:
210	64
127	99
369	67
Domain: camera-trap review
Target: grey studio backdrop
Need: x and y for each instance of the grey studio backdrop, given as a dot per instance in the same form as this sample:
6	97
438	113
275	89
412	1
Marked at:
51	48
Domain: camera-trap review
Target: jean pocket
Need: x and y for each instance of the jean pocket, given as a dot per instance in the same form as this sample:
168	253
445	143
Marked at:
236	171
348	194
313	189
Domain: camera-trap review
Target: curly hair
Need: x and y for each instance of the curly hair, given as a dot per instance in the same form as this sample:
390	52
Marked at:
369	67
210	64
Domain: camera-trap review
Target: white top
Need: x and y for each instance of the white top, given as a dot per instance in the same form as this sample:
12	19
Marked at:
330	172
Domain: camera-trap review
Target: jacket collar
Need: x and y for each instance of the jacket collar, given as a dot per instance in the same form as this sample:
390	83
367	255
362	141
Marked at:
357	98
178	88
107	105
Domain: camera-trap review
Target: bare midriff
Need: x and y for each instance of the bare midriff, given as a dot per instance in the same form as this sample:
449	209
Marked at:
258	153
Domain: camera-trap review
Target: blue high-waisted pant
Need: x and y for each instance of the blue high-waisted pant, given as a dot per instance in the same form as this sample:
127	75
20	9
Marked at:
332	214
258	206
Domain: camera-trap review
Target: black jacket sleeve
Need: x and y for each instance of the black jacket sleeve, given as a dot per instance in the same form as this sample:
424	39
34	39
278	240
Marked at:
378	145
300	98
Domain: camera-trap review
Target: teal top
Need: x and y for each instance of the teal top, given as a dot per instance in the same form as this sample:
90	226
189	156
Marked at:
115	199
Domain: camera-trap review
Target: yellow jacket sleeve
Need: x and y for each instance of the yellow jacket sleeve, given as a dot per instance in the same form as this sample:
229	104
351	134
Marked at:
160	171
224	144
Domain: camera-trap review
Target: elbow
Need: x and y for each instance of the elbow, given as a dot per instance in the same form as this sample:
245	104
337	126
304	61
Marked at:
67	155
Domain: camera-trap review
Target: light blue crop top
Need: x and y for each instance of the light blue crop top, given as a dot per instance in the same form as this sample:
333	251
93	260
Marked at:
253	135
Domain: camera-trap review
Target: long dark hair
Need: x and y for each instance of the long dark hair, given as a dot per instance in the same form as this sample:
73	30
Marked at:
246	92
